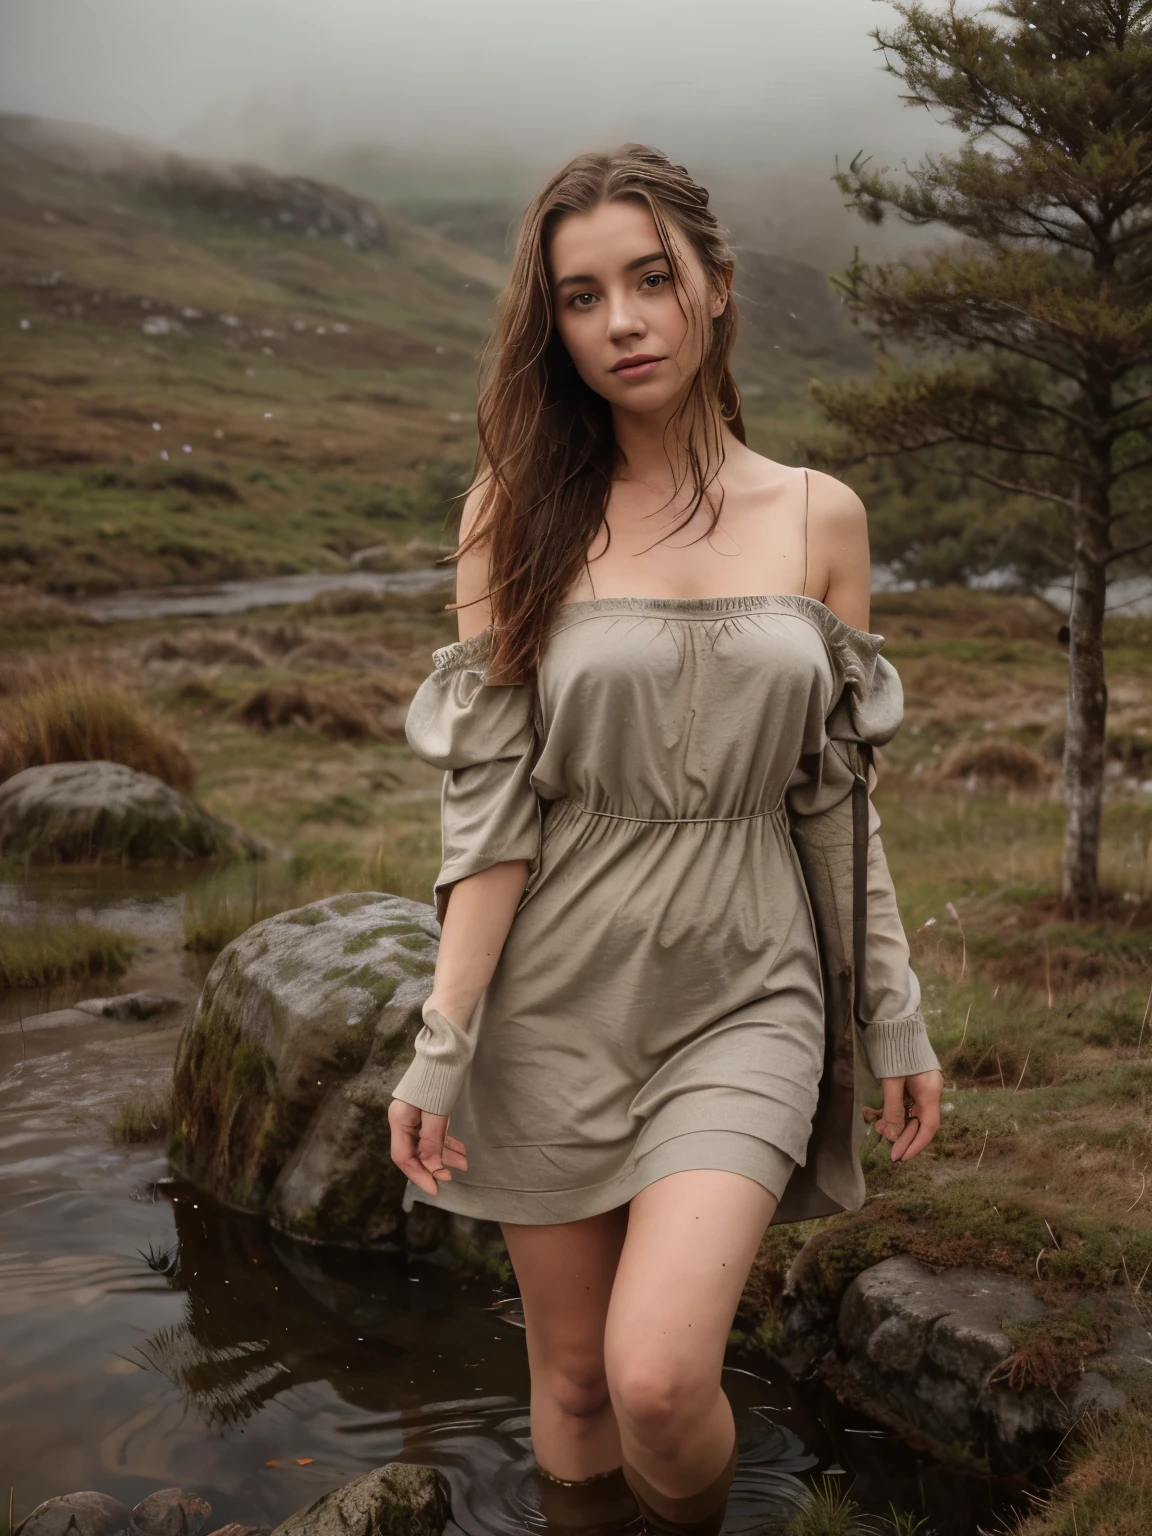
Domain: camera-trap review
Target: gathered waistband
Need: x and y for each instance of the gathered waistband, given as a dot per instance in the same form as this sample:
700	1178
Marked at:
668	821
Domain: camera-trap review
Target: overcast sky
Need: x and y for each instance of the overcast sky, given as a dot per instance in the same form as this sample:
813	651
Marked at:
751	84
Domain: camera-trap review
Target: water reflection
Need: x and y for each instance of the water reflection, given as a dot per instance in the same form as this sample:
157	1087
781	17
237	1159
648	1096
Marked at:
264	1319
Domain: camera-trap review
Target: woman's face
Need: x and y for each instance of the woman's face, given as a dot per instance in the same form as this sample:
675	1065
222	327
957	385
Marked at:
617	309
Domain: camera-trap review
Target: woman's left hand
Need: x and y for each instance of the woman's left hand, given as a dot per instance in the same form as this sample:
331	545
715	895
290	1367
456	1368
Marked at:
911	1114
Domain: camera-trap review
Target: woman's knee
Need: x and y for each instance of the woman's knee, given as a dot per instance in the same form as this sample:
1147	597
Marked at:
577	1386
658	1400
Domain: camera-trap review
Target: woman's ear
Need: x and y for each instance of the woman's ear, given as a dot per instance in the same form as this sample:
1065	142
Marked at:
723	289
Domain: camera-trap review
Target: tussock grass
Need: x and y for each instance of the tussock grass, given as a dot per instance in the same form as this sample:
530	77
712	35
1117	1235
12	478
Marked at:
79	719
45	954
1107	1489
227	905
830	1512
344	711
146	1116
995	762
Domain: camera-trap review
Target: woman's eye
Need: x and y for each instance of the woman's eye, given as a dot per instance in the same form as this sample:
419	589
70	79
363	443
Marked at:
655	279
577	300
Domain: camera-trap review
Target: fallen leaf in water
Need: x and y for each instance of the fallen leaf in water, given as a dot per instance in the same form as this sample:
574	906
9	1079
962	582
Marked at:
305	1461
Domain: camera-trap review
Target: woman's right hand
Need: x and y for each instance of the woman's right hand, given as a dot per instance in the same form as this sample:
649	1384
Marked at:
422	1148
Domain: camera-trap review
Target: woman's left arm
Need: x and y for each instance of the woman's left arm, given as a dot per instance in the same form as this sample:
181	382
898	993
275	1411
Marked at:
840	560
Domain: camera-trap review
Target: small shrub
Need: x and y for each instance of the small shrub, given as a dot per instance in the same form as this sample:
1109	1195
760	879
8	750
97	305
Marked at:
77	719
45	954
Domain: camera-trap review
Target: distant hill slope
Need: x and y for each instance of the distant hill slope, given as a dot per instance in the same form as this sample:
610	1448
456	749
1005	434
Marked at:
212	370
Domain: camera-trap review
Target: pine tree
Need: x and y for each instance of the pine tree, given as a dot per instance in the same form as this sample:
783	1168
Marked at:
1021	352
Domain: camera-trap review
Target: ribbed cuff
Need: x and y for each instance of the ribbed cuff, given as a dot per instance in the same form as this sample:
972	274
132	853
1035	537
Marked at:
443	1055
899	1047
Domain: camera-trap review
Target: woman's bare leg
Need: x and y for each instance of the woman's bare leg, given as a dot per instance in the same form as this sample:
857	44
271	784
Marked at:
690	1244
565	1273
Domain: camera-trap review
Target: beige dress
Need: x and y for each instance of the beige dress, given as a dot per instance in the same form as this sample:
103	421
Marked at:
659	1004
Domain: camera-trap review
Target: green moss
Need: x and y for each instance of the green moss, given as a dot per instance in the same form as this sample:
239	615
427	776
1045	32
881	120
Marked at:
308	917
380	988
346	905
415	941
338	972
415	967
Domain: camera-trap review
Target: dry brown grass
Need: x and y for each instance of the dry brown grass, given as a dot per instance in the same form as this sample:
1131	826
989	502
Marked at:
994	764
364	709
75	718
24	609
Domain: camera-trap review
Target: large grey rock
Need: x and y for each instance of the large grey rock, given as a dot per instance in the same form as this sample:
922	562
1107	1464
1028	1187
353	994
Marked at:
85	812
392	1501
925	1352
285	1073
76	1514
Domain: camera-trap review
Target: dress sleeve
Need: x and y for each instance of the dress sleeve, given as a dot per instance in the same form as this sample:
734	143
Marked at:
483	736
867	710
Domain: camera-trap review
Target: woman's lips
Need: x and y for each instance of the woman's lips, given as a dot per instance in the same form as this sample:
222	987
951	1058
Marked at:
640	369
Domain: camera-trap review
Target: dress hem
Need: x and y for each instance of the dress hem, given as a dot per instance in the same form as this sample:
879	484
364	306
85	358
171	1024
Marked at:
693	1151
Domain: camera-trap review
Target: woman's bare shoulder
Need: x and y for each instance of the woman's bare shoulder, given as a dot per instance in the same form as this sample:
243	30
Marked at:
838	547
473	598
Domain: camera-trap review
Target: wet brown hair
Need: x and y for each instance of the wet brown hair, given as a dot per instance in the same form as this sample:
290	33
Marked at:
547	451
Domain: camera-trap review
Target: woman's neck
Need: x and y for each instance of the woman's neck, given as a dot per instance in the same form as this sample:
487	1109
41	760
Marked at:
656	454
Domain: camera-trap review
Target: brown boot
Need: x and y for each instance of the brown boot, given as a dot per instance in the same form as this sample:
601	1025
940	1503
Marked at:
595	1506
700	1514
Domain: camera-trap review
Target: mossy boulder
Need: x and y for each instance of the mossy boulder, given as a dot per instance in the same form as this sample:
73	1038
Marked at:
88	812
395	1500
285	1073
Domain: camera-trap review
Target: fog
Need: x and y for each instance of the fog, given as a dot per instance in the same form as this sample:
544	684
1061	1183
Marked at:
750	86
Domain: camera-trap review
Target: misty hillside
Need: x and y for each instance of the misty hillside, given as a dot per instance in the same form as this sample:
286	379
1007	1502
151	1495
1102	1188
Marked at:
213	370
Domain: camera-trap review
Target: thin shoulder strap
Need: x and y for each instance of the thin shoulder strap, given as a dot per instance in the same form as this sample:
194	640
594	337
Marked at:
804	586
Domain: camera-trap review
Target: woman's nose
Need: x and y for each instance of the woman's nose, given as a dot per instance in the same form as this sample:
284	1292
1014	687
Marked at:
624	319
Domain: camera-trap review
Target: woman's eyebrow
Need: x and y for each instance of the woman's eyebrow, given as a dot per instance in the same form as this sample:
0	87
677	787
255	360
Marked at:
587	277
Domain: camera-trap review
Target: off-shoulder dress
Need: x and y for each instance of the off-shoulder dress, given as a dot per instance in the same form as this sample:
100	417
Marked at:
659	1004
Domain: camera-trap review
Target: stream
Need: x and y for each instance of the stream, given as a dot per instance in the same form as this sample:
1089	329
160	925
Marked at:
152	1338
230	597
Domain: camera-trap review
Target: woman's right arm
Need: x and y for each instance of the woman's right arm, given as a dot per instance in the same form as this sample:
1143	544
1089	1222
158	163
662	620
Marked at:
474	928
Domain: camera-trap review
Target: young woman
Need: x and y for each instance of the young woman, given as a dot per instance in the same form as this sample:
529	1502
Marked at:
639	1023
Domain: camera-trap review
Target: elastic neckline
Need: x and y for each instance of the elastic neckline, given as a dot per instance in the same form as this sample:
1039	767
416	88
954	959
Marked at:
711	605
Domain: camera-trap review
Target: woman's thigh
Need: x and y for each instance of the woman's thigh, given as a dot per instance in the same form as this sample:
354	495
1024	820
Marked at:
690	1244
565	1274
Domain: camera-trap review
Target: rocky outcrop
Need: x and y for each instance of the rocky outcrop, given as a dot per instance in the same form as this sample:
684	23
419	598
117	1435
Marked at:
392	1501
88	812
285	1073
934	1356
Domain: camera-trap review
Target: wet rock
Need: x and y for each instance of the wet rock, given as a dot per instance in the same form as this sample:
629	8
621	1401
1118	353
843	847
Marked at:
392	1501
170	1512
76	1514
925	1352
285	1073
86	812
132	1005
242	1530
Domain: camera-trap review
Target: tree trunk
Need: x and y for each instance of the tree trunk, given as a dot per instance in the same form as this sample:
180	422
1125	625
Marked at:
1087	714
